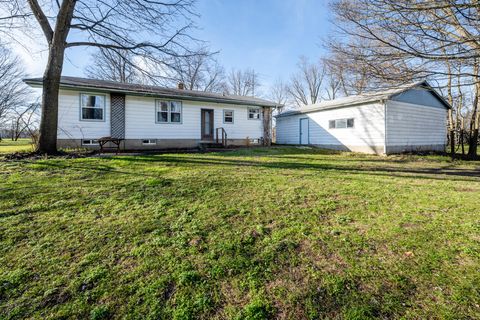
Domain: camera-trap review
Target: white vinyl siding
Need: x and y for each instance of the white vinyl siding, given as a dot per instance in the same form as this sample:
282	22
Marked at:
140	121
69	114
412	124
288	129
368	130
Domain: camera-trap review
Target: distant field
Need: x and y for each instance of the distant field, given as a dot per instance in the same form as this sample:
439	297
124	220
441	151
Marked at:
21	145
285	233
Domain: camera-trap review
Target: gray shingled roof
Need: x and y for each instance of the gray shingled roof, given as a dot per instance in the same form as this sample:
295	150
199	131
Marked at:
156	91
364	98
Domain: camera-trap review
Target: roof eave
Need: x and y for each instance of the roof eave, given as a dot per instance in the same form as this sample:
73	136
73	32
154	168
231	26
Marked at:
330	107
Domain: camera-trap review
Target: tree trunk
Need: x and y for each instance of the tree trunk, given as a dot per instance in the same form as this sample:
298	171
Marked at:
462	136
452	144
47	142
451	130
451	124
57	43
472	148
474	123
267	126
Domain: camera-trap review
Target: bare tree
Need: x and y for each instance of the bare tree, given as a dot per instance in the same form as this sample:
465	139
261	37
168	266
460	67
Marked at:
143	27
114	65
334	84
25	121
398	41
406	34
305	86
243	83
13	92
198	72
279	94
347	75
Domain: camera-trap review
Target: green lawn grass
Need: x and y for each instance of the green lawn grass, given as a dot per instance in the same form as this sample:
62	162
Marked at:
21	145
288	233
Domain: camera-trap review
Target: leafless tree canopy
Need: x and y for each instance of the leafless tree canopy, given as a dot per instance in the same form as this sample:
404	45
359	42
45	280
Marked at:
279	94
395	37
244	83
13	92
198	72
114	65
305	85
140	26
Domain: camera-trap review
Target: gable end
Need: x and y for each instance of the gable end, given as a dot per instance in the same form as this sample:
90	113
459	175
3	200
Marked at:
421	96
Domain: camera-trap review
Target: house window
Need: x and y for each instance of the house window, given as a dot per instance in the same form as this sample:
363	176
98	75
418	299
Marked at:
168	111
227	116
253	113
89	142
147	142
92	107
350	123
341	123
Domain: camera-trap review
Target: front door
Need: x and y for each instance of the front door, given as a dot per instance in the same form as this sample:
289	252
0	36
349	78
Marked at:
207	124
304	131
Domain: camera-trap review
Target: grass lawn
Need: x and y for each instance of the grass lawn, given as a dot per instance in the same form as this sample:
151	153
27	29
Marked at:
289	233
21	145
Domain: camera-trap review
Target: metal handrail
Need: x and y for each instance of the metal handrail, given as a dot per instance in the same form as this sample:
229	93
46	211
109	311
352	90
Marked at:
224	136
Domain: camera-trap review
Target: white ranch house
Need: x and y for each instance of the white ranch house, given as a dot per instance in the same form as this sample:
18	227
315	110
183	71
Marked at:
152	117
407	118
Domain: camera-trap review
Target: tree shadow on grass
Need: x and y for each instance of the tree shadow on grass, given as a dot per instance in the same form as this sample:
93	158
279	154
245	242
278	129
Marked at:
380	169
423	173
100	168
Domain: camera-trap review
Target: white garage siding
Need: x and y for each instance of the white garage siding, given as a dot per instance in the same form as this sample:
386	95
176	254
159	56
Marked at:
367	135
412	127
411	117
69	124
140	121
288	129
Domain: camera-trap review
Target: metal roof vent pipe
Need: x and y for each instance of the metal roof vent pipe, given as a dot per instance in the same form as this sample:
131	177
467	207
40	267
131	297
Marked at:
181	86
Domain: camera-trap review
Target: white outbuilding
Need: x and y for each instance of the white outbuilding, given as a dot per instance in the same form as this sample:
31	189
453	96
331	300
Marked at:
404	119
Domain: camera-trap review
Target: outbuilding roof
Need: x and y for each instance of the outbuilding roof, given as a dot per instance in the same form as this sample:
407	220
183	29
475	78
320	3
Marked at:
155	91
366	98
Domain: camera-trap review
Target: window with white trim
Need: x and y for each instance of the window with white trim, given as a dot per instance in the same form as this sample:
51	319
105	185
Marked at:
168	111
253	113
227	116
146	142
89	142
341	123
92	107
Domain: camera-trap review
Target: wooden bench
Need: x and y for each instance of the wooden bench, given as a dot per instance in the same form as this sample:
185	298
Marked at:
105	140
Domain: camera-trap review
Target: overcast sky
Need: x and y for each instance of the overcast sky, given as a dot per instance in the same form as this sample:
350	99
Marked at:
266	35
